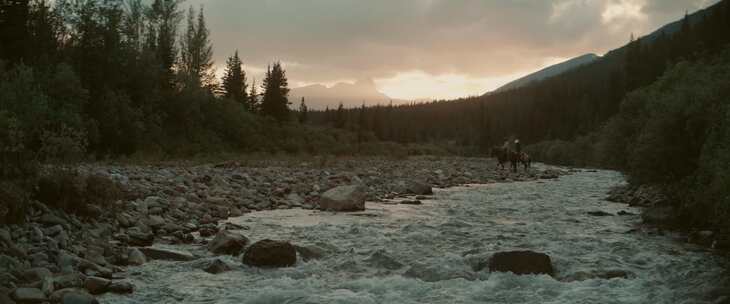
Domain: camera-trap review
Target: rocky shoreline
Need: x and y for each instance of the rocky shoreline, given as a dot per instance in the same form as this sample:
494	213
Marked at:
60	257
661	213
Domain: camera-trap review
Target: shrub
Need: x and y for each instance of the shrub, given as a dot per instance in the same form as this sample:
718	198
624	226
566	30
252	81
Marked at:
77	193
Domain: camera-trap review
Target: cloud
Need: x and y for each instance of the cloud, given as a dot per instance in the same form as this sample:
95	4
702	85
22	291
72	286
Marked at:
331	40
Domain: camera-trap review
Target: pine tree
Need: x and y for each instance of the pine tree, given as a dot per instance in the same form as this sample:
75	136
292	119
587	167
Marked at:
276	90
234	81
253	98
165	16
303	112
196	51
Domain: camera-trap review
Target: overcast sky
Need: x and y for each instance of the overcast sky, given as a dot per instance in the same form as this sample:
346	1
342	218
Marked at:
426	48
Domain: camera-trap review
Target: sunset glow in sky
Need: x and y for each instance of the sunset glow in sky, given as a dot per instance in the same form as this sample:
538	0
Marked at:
416	49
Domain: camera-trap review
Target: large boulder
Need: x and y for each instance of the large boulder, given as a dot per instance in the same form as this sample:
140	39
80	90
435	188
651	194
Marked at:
268	253
227	242
521	262
343	198
166	254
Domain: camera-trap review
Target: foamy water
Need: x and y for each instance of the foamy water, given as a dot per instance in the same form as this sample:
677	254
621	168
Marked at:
432	253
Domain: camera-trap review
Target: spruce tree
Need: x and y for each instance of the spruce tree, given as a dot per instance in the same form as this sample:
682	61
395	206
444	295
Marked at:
234	81
196	51
165	16
253	98
303	112
276	90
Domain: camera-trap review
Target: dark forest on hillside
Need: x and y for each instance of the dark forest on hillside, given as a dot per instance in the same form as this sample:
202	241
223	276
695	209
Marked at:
563	107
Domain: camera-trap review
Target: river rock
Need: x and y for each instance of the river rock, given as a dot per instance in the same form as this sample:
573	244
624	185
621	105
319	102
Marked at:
410	202
71	280
599	213
343	198
521	262
418	188
28	295
217	266
77	297
135	257
96	285
166	254
121	287
227	242
269	253
36	274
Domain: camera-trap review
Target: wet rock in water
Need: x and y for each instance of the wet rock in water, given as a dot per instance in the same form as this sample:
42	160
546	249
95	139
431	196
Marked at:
227	243
269	253
166	254
121	287
308	253
410	202
217	266
96	285
521	262
28	295
343	198
418	188
206	232
135	257
599	213
381	259
625	213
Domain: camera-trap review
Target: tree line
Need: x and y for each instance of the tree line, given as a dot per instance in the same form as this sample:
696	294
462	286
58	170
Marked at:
114	77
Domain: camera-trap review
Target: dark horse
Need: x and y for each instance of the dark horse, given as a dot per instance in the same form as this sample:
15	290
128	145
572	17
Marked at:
504	155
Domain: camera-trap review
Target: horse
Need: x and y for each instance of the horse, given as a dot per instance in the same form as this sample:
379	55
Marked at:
502	155
521	158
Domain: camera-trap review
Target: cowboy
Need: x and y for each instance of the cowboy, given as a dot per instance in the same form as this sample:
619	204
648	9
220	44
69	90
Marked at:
505	146
518	146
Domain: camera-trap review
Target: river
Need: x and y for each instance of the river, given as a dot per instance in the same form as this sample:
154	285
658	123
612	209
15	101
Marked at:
433	253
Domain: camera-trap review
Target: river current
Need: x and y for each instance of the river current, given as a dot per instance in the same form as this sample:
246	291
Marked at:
436	252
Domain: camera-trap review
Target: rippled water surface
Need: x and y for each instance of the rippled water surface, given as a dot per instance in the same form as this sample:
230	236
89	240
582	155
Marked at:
432	253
